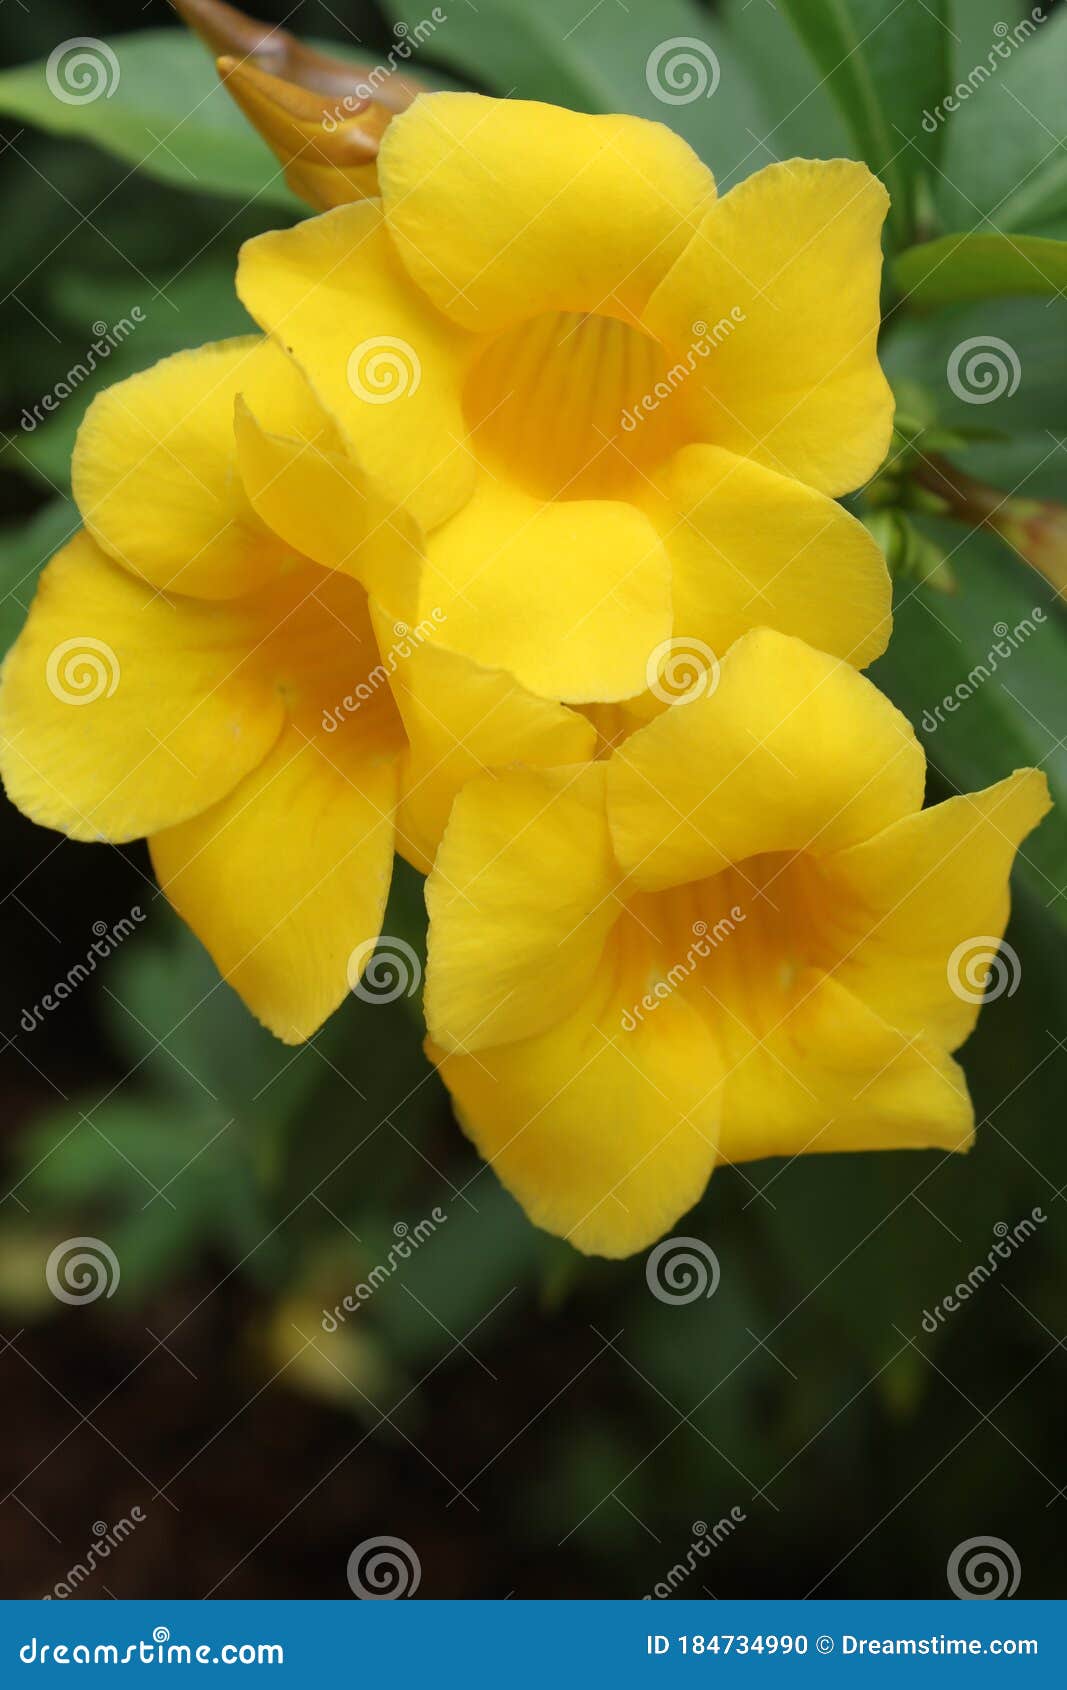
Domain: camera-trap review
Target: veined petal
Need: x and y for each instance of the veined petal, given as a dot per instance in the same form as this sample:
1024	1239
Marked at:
917	911
286	880
520	902
505	208
384	364
606	1137
751	548
829	1074
792	751
570	597
153	469
124	710
794	253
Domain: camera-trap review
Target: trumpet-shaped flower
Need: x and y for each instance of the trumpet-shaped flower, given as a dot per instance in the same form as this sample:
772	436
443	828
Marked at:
189	673
617	406
738	936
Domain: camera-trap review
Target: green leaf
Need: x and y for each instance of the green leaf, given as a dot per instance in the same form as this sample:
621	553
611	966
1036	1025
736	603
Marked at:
1016	347
798	117
1004	144
193	308
979	713
961	267
885	66
670	62
160	107
24	551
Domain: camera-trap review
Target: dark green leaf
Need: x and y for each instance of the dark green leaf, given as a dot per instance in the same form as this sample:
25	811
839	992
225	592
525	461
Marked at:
160	107
886	67
962	267
670	62
1004	143
980	675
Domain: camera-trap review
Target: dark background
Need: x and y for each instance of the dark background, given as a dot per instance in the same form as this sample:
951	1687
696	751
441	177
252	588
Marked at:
528	1421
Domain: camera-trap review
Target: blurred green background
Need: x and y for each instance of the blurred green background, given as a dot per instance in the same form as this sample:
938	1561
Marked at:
530	1422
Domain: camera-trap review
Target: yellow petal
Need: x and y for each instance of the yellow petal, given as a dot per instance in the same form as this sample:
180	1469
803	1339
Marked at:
154	467
461	721
829	1074
505	208
605	1136
919	909
520	902
750	548
123	710
286	880
794	253
569	597
792	750
379	358
324	506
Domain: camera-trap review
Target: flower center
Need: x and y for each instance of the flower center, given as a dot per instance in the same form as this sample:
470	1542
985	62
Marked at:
574	405
734	945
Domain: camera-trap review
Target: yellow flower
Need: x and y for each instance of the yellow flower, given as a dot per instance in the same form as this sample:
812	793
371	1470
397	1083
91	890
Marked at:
617	406
189	673
739	936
